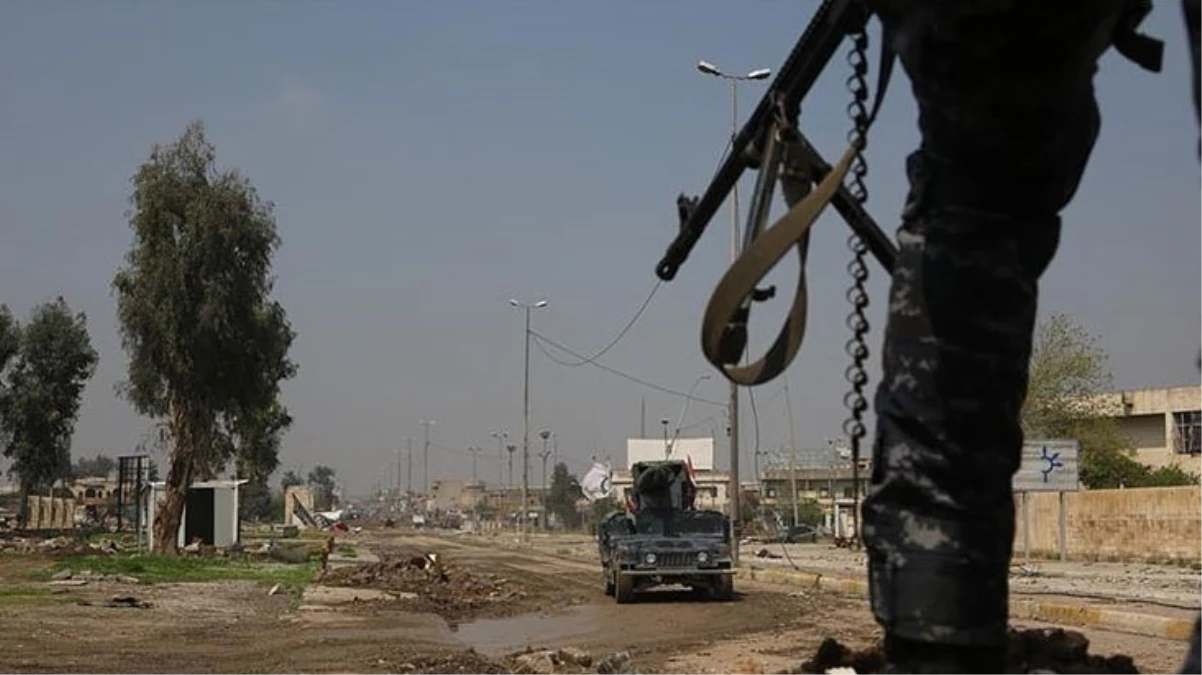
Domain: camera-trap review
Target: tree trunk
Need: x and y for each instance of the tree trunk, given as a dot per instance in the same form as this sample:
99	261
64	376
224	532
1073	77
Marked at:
179	477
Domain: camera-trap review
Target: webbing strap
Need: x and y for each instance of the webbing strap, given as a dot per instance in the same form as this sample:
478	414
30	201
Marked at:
753	264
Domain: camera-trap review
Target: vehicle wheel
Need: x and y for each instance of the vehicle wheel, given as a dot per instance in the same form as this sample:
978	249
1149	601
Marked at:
724	588
609	583
624	589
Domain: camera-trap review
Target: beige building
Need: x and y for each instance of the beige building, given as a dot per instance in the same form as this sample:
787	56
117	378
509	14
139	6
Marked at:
1164	425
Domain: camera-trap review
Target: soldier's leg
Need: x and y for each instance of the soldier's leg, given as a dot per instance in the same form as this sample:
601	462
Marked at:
1008	119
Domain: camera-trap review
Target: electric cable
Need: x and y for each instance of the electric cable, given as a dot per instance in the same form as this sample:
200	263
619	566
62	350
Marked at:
625	329
539	339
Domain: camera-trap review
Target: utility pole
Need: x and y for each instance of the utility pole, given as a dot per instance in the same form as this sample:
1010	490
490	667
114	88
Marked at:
554	448
792	452
735	489
643	418
409	466
667	446
426	458
526	414
398	469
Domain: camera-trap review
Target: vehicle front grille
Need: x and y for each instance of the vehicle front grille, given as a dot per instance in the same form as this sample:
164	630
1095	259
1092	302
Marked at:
676	559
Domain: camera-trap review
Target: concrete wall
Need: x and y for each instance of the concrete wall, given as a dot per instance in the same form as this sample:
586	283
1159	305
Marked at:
304	495
50	514
1145	524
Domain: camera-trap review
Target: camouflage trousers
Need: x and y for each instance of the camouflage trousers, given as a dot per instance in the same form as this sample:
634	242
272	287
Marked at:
1008	120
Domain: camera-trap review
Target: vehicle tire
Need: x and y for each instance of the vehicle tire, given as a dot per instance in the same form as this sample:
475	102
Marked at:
724	588
609	583
624	589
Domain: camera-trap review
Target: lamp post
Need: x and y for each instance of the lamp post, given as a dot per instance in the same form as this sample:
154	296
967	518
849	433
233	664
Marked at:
511	448
708	68
500	435
526	413
544	455
684	410
475	452
426	458
667	448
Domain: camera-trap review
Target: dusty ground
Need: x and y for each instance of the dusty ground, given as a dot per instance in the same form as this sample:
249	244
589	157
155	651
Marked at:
543	600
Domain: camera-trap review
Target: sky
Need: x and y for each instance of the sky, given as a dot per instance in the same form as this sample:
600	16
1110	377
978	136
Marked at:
431	160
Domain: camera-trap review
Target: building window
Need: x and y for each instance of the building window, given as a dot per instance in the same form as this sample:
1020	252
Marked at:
1187	432
848	492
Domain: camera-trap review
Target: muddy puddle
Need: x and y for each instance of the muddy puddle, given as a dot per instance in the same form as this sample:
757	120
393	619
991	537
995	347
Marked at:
498	637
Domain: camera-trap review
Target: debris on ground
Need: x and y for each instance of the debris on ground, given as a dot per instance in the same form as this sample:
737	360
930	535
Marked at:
765	553
66	577
430	583
572	661
1033	650
127	601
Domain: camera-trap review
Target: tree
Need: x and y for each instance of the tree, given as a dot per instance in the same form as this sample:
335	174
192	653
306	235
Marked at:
321	479
207	345
257	502
99	466
46	366
290	478
562	496
1069	375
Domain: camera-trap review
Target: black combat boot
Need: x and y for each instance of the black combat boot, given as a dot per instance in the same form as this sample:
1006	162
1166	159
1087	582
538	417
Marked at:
910	656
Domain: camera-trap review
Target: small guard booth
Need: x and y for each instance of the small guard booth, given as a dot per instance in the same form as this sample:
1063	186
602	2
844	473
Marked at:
210	513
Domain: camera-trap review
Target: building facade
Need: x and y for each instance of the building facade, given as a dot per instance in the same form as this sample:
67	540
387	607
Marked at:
1164	425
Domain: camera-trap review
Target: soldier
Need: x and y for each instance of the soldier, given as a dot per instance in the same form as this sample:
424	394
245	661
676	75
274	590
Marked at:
1008	120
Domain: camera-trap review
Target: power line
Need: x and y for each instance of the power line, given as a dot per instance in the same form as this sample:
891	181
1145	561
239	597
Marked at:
625	329
539	339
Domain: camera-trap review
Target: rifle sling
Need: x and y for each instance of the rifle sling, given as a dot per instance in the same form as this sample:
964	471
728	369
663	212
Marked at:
752	265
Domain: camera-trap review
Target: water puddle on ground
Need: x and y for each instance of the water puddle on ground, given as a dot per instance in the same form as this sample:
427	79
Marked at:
497	637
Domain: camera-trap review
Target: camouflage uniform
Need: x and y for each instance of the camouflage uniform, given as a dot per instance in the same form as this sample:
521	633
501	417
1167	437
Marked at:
1008	120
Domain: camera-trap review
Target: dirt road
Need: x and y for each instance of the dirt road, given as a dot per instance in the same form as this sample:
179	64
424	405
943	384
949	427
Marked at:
509	602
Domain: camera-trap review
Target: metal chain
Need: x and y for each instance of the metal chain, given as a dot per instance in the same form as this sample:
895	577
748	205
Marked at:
857	294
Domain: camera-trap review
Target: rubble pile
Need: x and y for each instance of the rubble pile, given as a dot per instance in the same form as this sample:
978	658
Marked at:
569	660
58	546
1035	650
69	578
426	580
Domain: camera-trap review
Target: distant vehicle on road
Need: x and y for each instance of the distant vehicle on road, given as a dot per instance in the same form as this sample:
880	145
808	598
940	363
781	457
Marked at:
663	539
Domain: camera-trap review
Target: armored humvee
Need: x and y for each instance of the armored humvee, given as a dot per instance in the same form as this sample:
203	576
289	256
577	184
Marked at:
662	539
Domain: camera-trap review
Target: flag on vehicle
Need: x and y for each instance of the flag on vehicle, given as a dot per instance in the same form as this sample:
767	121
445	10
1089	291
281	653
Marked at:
597	483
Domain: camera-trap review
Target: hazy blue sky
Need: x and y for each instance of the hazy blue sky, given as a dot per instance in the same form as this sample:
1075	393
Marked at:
429	160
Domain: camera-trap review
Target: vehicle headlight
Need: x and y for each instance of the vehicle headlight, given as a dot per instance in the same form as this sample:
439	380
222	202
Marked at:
649	558
703	557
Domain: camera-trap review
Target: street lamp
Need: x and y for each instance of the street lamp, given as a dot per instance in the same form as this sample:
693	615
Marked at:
500	435
526	412
708	68
426	458
684	410
544	455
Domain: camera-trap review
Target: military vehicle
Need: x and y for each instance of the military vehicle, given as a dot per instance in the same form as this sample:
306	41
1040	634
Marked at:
662	539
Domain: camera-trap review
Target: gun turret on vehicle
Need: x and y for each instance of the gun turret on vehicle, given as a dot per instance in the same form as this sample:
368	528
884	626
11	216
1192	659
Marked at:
662	539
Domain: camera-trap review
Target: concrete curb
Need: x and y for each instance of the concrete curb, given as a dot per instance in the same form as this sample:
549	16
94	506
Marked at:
1056	612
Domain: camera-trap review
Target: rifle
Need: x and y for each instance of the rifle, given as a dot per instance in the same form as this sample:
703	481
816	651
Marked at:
771	143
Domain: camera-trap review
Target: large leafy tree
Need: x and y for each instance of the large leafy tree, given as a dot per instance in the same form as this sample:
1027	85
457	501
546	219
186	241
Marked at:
207	345
46	365
1068	376
562	496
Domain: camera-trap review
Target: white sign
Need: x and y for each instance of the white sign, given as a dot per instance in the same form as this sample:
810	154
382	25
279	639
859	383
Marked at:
1048	466
700	450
